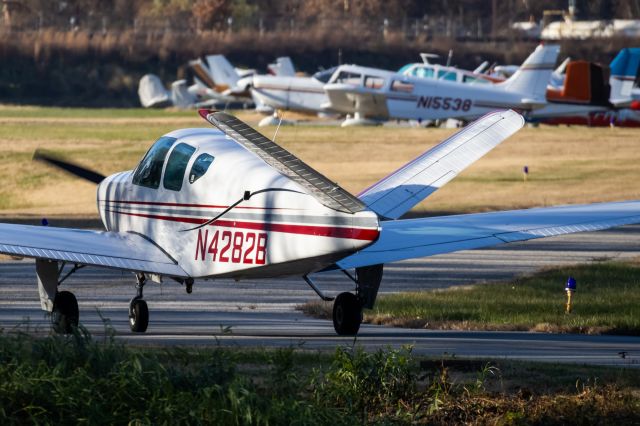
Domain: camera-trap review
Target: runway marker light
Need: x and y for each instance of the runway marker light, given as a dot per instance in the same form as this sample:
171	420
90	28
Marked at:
570	287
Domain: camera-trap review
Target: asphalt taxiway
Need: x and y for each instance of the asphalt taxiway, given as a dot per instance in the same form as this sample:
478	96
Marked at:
263	314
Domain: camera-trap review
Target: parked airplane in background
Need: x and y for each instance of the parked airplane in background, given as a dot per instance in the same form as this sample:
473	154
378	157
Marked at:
297	93
426	69
588	98
373	94
216	81
215	78
230	203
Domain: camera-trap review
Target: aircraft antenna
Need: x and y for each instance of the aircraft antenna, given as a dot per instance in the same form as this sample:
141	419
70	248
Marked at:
278	128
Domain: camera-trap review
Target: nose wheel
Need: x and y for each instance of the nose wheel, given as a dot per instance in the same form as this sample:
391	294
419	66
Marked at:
138	309
347	314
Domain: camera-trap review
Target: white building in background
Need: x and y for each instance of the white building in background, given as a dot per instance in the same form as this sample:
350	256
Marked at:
580	30
591	29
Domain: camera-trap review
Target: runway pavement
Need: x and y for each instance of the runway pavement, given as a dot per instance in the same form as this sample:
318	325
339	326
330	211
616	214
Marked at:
262	313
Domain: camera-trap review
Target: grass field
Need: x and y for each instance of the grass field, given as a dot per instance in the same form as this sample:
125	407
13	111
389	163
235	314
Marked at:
76	379
567	165
607	301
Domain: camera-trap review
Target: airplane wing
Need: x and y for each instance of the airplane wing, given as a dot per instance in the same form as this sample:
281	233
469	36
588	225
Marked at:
397	193
350	98
412	238
118	250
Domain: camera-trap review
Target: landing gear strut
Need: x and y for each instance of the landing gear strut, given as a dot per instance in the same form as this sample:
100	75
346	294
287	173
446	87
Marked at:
62	305
138	310
347	307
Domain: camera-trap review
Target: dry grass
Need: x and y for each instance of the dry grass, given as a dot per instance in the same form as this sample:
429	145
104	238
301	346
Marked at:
568	165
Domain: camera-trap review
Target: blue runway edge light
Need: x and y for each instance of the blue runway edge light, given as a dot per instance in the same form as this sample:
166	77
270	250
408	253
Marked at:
571	284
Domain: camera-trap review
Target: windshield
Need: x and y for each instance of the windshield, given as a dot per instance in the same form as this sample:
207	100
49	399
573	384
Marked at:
324	75
150	168
176	166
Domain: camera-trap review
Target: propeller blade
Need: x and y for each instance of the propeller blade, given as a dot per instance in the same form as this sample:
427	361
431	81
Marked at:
71	168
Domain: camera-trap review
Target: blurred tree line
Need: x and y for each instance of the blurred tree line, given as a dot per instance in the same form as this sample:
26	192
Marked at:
266	14
93	52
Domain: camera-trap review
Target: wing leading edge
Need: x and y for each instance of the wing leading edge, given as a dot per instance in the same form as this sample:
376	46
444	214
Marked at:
118	250
406	239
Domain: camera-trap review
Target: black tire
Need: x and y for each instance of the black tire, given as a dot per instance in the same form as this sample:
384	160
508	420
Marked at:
138	316
347	314
65	314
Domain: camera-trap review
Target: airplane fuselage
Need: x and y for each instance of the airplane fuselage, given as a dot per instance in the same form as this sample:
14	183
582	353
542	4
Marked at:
281	231
387	95
303	94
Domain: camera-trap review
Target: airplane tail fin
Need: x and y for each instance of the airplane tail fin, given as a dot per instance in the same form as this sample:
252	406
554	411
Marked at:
624	69
282	67
584	83
532	77
397	193
201	72
152	92
222	72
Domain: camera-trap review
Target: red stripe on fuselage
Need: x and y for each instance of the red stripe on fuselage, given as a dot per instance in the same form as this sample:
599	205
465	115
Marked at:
318	231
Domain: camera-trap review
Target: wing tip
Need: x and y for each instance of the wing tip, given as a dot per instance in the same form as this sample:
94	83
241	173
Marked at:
206	112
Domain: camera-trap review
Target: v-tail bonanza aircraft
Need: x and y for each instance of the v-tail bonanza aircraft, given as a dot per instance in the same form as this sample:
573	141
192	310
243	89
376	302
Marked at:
227	202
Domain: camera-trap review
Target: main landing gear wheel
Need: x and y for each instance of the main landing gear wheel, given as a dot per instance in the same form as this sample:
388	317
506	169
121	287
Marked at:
138	315
347	314
65	314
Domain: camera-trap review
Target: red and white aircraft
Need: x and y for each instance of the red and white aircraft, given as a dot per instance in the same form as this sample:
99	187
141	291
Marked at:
228	202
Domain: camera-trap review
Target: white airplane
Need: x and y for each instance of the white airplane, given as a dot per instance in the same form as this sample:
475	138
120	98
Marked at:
215	78
297	93
230	203
215	82
369	93
307	95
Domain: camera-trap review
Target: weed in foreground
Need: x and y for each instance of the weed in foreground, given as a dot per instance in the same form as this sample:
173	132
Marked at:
74	379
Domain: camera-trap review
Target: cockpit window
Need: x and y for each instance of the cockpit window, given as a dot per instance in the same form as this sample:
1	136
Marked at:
417	71
372	82
200	167
176	166
401	86
447	75
150	168
348	77
324	75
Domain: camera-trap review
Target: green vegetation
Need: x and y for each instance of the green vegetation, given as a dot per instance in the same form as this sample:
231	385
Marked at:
77	379
607	301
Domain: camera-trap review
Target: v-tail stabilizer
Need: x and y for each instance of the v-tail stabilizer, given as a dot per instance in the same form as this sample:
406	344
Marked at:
397	193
